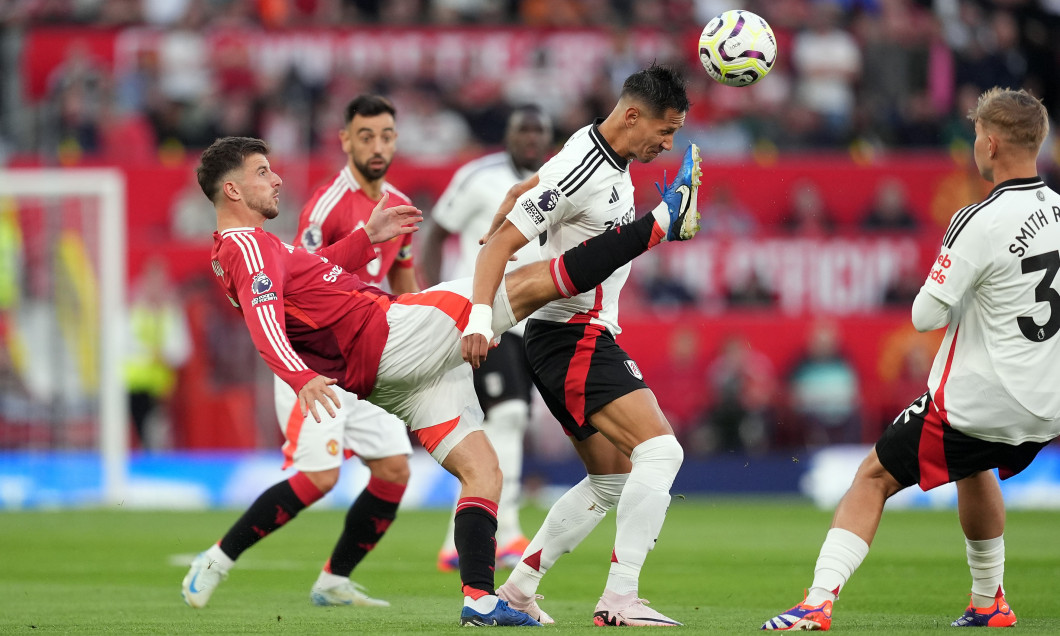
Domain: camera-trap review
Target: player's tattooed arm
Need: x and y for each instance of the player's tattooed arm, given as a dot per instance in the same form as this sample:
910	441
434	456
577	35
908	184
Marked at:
506	206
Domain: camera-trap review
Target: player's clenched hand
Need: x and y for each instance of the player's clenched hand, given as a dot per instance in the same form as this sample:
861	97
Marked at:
477	335
318	390
473	347
386	223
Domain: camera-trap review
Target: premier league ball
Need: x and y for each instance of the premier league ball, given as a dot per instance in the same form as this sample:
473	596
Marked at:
737	48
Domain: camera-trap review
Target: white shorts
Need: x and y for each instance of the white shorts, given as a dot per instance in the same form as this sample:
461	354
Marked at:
359	428
422	378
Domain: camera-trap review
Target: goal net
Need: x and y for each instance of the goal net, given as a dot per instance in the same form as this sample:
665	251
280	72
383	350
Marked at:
63	408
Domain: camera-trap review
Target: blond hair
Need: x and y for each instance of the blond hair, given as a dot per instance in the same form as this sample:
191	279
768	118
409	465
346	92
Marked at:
1017	115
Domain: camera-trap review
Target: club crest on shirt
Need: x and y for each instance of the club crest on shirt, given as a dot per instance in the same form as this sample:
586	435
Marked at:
633	369
260	284
312	238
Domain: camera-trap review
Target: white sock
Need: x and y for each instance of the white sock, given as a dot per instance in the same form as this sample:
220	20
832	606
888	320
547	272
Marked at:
505	426
842	553
327	580
483	604
986	560
662	217
217	555
568	522
642	509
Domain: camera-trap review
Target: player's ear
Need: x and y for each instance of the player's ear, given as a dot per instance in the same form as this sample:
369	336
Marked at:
345	140
632	115
992	142
231	190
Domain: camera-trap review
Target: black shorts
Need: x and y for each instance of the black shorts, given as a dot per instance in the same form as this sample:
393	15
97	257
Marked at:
921	448
578	369
504	375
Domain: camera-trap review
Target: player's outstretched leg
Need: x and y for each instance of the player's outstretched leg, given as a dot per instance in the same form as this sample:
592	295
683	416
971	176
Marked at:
585	266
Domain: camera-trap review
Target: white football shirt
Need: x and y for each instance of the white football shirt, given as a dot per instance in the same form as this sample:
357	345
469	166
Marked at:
997	374
471	200
584	191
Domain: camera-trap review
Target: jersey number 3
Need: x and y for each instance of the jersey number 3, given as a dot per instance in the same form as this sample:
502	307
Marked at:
1043	293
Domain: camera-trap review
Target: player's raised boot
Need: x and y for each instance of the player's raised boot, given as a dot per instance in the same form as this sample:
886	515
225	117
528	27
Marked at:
681	197
524	603
509	555
448	561
998	614
345	593
201	581
502	615
626	610
803	617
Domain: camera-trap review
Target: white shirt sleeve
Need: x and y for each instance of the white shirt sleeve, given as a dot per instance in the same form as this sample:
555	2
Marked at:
540	207
929	313
961	263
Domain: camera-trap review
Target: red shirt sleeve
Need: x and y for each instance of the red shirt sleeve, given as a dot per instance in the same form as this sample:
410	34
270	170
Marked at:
351	252
255	270
404	255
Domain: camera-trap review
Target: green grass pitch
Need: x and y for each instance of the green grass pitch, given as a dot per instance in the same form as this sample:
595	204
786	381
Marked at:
722	566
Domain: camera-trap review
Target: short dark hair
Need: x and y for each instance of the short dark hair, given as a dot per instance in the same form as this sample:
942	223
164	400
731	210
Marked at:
369	106
223	156
659	88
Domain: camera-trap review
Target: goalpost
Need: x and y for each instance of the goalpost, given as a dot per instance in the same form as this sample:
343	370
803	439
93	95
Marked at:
66	231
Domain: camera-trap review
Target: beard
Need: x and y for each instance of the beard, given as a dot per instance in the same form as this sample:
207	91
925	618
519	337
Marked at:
372	174
266	207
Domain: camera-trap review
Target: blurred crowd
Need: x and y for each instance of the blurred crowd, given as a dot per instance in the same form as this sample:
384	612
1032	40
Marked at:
858	75
866	74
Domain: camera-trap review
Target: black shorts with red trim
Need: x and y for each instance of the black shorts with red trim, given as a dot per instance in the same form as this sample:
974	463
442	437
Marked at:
579	369
919	447
504	374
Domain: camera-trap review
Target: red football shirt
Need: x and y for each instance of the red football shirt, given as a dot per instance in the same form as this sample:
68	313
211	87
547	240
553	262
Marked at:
307	315
340	207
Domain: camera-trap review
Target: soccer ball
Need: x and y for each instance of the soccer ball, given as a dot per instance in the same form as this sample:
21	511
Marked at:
737	48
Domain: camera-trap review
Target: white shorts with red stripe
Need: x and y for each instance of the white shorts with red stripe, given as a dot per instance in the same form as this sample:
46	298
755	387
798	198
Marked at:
422	378
359	428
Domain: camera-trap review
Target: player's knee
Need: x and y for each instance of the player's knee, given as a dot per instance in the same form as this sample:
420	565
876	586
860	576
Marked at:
606	489
873	474
478	474
662	455
394	469
324	480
